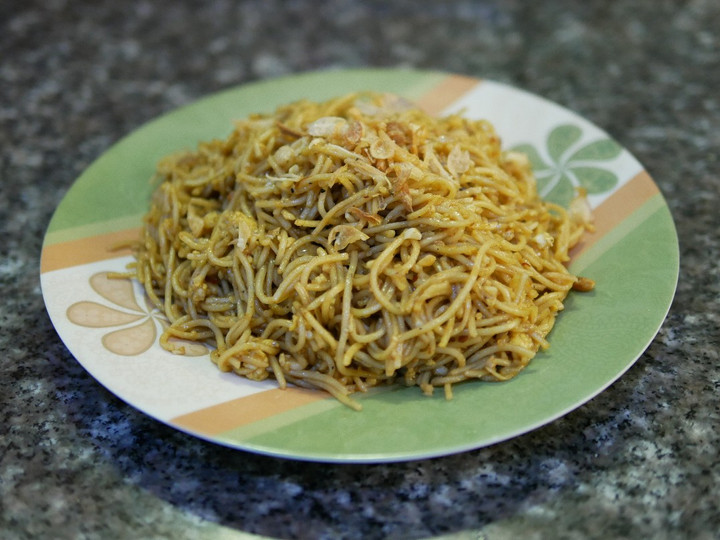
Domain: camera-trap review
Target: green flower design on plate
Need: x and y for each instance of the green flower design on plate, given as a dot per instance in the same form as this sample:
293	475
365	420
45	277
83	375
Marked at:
572	164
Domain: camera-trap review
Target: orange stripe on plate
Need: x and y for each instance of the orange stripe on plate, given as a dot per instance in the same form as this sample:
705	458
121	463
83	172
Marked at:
246	410
617	207
447	92
87	250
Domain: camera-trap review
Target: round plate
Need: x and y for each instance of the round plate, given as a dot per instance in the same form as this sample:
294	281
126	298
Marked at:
110	328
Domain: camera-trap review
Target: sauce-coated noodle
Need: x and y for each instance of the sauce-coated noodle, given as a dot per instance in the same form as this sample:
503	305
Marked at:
357	242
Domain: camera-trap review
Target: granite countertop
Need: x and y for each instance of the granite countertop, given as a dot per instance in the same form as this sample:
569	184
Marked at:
638	461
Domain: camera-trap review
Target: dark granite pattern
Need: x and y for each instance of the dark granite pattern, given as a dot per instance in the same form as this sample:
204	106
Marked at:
638	461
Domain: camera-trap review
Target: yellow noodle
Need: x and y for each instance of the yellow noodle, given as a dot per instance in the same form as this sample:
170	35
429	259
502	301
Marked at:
357	242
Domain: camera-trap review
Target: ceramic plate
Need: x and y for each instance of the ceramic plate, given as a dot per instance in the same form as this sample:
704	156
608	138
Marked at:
111	330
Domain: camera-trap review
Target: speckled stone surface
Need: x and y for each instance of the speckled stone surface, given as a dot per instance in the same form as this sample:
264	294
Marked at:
638	461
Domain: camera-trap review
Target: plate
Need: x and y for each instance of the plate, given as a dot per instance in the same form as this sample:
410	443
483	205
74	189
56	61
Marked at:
111	330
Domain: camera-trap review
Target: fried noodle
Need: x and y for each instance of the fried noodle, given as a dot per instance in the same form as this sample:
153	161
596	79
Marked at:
354	243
